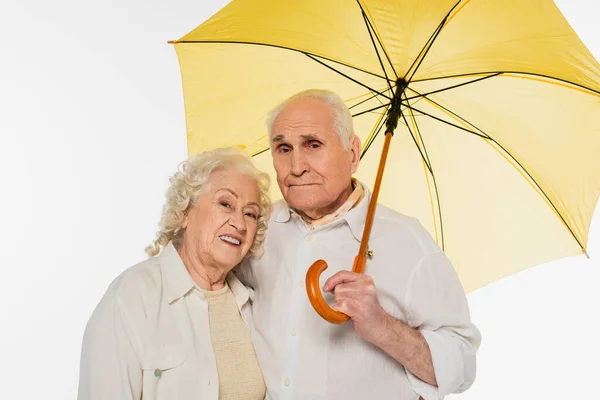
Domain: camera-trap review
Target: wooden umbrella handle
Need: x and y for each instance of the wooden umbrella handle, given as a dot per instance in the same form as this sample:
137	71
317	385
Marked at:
314	272
314	292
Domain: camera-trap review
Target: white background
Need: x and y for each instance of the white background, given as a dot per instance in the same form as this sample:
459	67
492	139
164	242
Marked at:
92	125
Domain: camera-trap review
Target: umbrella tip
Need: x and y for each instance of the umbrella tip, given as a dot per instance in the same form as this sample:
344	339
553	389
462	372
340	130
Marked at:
172	41
585	252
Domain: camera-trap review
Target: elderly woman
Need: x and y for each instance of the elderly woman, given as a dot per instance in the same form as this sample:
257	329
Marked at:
177	326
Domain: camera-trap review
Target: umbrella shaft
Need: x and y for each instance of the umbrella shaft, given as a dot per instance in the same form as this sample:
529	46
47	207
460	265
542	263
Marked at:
373	204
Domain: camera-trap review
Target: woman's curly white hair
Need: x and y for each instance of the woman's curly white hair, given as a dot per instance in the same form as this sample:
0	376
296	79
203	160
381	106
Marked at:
192	179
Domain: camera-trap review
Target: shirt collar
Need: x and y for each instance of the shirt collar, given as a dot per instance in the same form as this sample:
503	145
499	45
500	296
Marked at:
284	214
355	217
178	282
176	278
240	292
351	202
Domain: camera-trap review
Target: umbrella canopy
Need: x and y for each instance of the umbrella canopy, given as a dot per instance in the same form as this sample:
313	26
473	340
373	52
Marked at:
497	149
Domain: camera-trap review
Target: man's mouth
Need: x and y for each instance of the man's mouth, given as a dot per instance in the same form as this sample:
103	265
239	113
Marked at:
230	239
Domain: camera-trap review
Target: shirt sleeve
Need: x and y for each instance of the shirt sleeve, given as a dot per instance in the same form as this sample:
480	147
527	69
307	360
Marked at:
438	308
110	368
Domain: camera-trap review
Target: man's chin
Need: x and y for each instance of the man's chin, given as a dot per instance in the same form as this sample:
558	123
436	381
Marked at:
304	206
305	191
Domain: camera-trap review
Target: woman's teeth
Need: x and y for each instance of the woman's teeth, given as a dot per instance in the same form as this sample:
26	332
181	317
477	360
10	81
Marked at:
230	240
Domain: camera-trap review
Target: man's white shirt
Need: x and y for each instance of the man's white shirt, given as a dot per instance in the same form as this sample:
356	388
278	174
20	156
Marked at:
304	357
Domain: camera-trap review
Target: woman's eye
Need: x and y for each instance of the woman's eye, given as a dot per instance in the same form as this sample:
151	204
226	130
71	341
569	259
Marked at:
251	215
225	204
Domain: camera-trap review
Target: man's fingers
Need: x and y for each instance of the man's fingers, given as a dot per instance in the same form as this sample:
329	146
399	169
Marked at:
345	306
340	277
354	289
346	277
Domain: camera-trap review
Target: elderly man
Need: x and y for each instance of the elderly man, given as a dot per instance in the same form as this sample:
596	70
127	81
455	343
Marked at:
410	333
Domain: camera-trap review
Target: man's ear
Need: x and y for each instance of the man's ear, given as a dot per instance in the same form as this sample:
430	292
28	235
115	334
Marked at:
355	151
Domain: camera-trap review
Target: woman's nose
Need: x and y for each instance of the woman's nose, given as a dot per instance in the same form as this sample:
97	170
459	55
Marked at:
237	221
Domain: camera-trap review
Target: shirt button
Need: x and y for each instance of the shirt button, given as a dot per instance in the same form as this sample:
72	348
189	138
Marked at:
293	332
308	238
157	373
301	283
287	382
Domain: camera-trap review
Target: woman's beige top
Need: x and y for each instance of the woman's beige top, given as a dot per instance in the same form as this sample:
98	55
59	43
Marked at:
238	370
149	337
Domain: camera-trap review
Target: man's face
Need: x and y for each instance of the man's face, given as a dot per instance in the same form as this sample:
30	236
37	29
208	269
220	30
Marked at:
313	168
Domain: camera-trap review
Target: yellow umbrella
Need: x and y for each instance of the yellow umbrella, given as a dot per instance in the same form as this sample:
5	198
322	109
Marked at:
497	149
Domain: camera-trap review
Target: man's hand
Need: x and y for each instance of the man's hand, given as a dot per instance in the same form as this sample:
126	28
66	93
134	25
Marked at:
356	296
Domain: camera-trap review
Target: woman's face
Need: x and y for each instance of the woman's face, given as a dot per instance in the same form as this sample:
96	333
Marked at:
220	228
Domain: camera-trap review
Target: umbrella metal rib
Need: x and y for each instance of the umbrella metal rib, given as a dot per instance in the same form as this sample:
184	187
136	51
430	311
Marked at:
346	75
427	161
455	86
371	28
525	75
375	132
370	110
446	122
371	97
428	46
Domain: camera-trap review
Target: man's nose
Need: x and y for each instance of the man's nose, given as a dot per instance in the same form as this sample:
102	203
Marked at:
299	164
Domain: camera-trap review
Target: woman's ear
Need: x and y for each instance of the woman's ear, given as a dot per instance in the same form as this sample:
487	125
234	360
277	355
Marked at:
184	223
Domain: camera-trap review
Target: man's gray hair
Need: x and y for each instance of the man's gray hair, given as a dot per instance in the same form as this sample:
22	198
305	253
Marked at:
342	119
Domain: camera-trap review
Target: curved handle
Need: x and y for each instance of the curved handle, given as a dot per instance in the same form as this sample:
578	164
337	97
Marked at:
316	298
314	291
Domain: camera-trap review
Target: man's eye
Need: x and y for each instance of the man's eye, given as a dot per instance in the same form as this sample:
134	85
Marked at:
314	145
283	149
